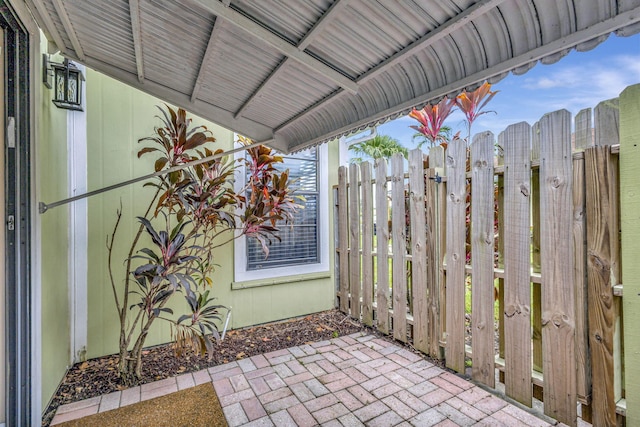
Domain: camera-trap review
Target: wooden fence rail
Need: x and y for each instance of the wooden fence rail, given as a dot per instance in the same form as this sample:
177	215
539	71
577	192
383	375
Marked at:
418	259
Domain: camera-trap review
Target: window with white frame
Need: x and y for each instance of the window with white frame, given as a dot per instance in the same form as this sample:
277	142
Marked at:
303	247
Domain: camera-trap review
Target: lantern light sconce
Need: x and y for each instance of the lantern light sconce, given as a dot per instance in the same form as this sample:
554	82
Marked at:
67	83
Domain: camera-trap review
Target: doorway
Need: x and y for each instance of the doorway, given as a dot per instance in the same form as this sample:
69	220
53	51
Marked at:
16	219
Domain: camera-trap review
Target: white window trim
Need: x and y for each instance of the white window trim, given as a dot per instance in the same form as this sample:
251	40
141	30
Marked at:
240	248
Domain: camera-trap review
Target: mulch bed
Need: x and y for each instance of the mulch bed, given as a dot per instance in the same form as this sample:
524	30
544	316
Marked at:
99	376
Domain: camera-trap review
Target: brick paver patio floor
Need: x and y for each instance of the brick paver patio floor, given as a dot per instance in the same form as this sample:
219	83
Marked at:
348	381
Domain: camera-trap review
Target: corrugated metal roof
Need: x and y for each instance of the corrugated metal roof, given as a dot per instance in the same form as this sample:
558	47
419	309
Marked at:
295	73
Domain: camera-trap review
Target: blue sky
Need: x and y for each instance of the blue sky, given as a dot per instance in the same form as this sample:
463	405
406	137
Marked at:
579	80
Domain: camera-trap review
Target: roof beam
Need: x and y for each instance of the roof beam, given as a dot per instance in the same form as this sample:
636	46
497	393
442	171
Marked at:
208	53
68	28
315	30
431	37
442	31
281	45
49	26
334	10
136	31
568	42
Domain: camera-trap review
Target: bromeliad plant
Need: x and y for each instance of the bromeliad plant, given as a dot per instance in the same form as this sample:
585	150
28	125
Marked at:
195	209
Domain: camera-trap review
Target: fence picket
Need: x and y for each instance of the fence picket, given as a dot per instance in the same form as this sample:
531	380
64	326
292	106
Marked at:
367	244
517	288
583	140
456	157
343	227
419	290
558	303
482	243
354	232
399	234
382	247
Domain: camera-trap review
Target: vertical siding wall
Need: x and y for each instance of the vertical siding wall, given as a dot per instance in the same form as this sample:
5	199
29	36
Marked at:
117	117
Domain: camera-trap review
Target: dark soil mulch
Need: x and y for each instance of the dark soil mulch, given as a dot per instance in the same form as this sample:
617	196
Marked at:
99	376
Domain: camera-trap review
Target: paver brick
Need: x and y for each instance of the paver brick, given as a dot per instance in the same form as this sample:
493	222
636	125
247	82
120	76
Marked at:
201	377
375	383
365	338
507	420
386	390
411	401
411	376
371	353
371	411
239	382
330	413
409	355
429	373
259	361
159	391
74	415
399	407
260	422
361	394
348	363
275	395
301	416
348	400
355	374
81	404
360	356
316	387
446	385
310	359
296	367
223	367
328	347
388	350
350	420
283	419
130	396
387	367
305	376
399	379
158	384
235	415
490	404
253	408
279	405
260	372
428	418
302	392
436	397
389	418
421	365
453	414
259	386
340	384
473	395
274	381
321	402
446	423
247	365
524	416
331	377
466	409
236	397
283	370
456	380
328	366
315	370
110	401
342	354
422	388
277	353
185	381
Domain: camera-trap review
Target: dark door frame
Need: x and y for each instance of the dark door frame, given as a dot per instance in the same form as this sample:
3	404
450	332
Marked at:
17	205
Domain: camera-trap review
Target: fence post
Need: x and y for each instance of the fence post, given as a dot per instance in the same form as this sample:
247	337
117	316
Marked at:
630	225
456	160
354	234
343	239
603	263
558	301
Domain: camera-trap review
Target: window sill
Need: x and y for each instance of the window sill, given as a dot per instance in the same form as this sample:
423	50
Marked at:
236	286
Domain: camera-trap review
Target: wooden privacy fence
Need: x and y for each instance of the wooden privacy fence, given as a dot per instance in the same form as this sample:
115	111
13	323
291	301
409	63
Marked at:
428	254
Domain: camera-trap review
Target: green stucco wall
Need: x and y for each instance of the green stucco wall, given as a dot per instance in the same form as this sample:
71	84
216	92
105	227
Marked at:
630	244
51	173
117	116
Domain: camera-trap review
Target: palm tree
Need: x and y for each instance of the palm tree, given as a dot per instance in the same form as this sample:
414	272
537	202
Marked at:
444	135
380	146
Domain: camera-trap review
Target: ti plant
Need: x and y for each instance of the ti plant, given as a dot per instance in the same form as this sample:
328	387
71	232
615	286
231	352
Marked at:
195	209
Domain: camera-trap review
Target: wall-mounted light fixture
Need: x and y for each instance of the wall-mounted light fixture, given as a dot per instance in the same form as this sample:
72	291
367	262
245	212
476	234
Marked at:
67	83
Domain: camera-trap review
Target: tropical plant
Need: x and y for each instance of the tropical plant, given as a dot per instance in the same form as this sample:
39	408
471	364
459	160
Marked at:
378	147
444	134
431	118
471	104
195	209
